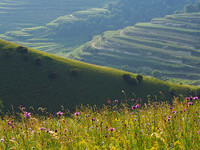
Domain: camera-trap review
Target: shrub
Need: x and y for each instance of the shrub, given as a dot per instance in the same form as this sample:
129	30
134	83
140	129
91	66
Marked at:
139	78
52	74
22	49
129	79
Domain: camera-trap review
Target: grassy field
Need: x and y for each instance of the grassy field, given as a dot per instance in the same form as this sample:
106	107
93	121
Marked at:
116	125
36	78
168	46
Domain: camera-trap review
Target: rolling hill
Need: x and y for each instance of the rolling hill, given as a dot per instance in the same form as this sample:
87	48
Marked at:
165	47
63	34
30	77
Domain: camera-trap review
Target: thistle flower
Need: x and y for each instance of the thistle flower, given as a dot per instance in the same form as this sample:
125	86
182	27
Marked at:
27	114
137	106
184	110
111	129
59	113
190	103
133	107
198	132
93	119
195	98
116	101
41	128
109	101
174	112
77	113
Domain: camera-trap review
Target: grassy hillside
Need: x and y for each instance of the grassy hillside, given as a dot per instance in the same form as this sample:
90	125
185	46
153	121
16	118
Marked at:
31	77
63	34
168	46
15	14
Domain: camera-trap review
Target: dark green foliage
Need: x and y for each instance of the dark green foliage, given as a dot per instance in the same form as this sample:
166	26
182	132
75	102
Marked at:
52	74
38	62
22	49
129	79
139	77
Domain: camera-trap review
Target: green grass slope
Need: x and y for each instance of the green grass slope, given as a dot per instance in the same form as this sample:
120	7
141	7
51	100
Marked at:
31	77
168	46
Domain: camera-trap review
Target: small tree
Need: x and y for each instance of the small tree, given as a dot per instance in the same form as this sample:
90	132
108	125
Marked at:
139	77
22	49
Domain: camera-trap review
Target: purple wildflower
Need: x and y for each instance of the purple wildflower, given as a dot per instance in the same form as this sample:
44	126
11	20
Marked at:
137	106
133	107
132	100
109	101
23	108
27	114
184	110
65	129
59	113
168	118
56	130
41	128
111	129
2	140
116	101
188	98
12	126
47	130
171	108
93	119
25	125
190	103
195	98
135	119
174	112
198	132
77	113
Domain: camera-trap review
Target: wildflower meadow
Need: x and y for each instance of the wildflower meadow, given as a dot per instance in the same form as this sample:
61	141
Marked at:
113	126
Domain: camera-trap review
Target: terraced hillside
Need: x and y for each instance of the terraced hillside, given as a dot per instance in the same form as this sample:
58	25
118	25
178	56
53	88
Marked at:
18	14
63	34
31	77
168	46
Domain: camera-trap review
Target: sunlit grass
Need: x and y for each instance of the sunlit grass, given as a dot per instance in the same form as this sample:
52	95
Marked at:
116	125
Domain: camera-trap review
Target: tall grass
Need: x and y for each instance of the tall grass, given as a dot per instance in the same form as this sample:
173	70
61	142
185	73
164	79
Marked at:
116	125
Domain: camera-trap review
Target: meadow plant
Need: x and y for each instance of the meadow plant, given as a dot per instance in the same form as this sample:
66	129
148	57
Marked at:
113	126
